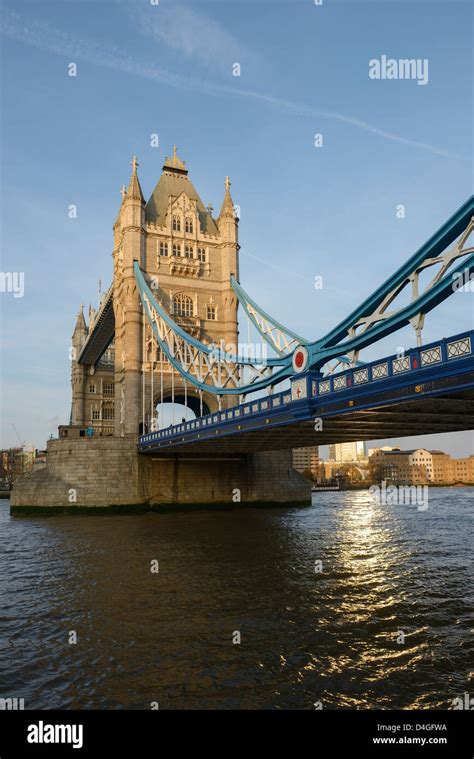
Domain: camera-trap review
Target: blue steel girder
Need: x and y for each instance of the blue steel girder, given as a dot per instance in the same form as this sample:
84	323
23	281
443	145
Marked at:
206	366
372	318
280	338
372	314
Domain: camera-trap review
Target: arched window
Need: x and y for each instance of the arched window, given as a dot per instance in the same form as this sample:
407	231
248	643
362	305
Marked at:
176	249
163	248
188	225
211	313
202	255
176	224
182	305
189	251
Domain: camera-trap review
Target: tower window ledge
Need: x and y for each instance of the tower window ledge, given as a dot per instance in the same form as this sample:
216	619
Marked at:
189	323
184	266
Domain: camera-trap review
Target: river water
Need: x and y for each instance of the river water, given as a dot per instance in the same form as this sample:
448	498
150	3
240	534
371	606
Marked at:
331	637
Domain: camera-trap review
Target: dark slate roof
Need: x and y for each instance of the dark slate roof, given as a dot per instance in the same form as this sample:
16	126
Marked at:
174	182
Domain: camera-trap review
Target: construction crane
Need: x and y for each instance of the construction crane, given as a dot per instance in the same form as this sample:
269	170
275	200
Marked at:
22	443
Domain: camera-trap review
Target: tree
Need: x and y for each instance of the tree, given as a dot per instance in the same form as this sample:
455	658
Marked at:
308	474
12	464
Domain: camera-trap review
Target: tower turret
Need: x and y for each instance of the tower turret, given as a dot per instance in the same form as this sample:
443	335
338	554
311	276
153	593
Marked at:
130	247
227	223
78	376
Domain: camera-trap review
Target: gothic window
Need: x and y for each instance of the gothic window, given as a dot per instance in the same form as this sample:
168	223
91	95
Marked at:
176	249
108	388
163	248
176	224
108	411
188	225
189	251
202	255
95	414
211	313
182	305
92	388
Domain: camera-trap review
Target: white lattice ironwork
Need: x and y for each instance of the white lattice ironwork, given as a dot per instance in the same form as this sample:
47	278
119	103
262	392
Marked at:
380	371
401	364
360	376
339	383
459	348
441	263
431	356
280	340
207	367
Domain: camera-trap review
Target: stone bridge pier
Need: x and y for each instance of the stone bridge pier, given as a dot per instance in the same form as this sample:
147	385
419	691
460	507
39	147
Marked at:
109	474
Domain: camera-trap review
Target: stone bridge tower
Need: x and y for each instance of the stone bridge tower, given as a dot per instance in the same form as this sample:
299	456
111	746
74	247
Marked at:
191	256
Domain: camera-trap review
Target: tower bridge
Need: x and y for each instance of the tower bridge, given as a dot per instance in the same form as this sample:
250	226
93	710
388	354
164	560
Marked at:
167	332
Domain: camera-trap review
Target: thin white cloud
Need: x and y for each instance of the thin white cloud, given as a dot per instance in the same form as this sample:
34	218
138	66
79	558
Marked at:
46	37
193	34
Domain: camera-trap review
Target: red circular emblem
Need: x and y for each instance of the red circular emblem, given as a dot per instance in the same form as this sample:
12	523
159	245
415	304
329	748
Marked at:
299	359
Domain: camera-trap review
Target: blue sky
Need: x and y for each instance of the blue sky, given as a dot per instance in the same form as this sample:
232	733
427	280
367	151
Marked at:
305	211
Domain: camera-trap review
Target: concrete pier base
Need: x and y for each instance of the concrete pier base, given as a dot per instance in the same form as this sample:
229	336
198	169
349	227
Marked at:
109	473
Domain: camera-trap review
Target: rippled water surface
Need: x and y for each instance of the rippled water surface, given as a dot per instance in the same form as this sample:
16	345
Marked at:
306	636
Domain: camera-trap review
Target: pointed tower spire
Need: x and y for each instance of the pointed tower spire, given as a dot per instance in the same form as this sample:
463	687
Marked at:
227	209
123	193
80	321
80	329
91	314
134	190
77	370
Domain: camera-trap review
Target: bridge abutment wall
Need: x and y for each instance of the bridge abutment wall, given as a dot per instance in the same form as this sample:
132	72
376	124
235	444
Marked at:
108	472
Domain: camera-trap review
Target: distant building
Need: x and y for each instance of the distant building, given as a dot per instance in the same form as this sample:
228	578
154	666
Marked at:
347	453
27	456
464	470
420	466
443	468
407	467
39	461
306	458
371	451
329	471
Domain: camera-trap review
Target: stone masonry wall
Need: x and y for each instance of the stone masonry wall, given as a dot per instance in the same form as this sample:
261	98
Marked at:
107	472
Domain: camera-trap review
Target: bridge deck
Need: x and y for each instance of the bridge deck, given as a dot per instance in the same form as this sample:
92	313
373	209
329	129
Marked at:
428	390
